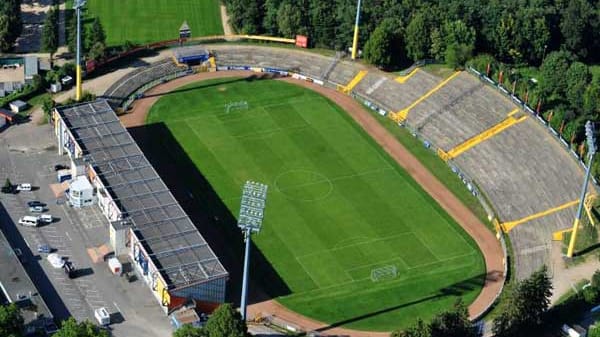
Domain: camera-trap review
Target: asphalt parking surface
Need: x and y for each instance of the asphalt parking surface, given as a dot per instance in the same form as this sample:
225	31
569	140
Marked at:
28	154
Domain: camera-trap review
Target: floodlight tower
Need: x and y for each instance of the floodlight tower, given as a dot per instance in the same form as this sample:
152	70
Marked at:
78	5
355	41
254	196
591	141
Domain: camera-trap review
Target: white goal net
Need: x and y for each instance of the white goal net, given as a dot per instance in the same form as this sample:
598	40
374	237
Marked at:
384	273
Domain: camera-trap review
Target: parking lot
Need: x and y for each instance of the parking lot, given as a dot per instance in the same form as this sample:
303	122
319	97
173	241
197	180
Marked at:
28	154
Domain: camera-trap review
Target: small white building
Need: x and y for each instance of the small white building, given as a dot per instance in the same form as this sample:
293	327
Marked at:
17	106
81	192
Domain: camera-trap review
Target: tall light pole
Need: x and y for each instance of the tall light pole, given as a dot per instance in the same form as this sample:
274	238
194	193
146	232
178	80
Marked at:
355	41
78	90
591	141
254	196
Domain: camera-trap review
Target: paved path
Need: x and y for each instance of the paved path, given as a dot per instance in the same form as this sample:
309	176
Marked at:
565	278
486	241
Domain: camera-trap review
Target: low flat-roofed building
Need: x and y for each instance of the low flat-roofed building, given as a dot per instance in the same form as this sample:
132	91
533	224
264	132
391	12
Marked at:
17	106
168	251
81	192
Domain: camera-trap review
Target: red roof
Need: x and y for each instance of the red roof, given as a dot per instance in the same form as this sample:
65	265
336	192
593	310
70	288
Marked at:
9	115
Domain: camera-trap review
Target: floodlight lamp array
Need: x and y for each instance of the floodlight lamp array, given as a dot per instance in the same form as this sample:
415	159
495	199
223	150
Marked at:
78	4
252	207
591	139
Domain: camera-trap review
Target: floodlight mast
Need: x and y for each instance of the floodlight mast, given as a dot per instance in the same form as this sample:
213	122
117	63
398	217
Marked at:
591	141
78	90
355	40
252	209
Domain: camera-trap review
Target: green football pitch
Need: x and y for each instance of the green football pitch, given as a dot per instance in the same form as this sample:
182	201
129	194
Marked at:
144	21
355	239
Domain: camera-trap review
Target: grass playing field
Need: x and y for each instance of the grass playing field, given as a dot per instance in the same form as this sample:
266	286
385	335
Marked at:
338	209
143	21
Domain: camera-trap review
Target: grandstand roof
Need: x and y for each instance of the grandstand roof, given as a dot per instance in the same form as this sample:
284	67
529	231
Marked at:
168	235
190	53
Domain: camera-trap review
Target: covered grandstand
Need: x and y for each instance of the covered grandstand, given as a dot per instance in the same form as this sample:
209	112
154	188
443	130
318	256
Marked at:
167	249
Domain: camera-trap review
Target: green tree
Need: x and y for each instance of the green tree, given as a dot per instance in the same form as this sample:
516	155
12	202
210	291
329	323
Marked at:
226	322
48	105
453	323
578	77
417	37
577	28
50	33
323	27
190	331
5	44
95	40
522	312
553	71
459	41
71	328
419	329
382	48
591	97
270	9
97	33
11	321
10	23
438	46
290	19
344	18
504	39
97	51
457	54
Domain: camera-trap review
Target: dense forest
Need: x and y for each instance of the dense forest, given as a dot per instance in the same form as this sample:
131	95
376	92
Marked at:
547	50
10	23
513	31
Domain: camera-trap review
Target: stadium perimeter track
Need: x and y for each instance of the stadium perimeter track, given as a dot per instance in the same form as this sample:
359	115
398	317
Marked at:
485	239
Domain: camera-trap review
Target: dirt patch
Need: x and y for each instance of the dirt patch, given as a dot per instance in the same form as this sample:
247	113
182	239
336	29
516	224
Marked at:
486	241
227	30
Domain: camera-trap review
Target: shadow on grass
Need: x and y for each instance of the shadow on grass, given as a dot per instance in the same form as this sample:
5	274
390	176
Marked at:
208	212
457	289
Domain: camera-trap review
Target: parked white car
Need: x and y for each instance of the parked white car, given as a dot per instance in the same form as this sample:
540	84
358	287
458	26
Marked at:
56	260
36	209
46	218
24	187
28	221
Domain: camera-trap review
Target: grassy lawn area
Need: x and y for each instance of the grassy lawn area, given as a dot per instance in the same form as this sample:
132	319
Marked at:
439	70
355	239
144	21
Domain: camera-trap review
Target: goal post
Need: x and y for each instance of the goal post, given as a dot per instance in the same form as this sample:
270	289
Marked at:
241	105
384	273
